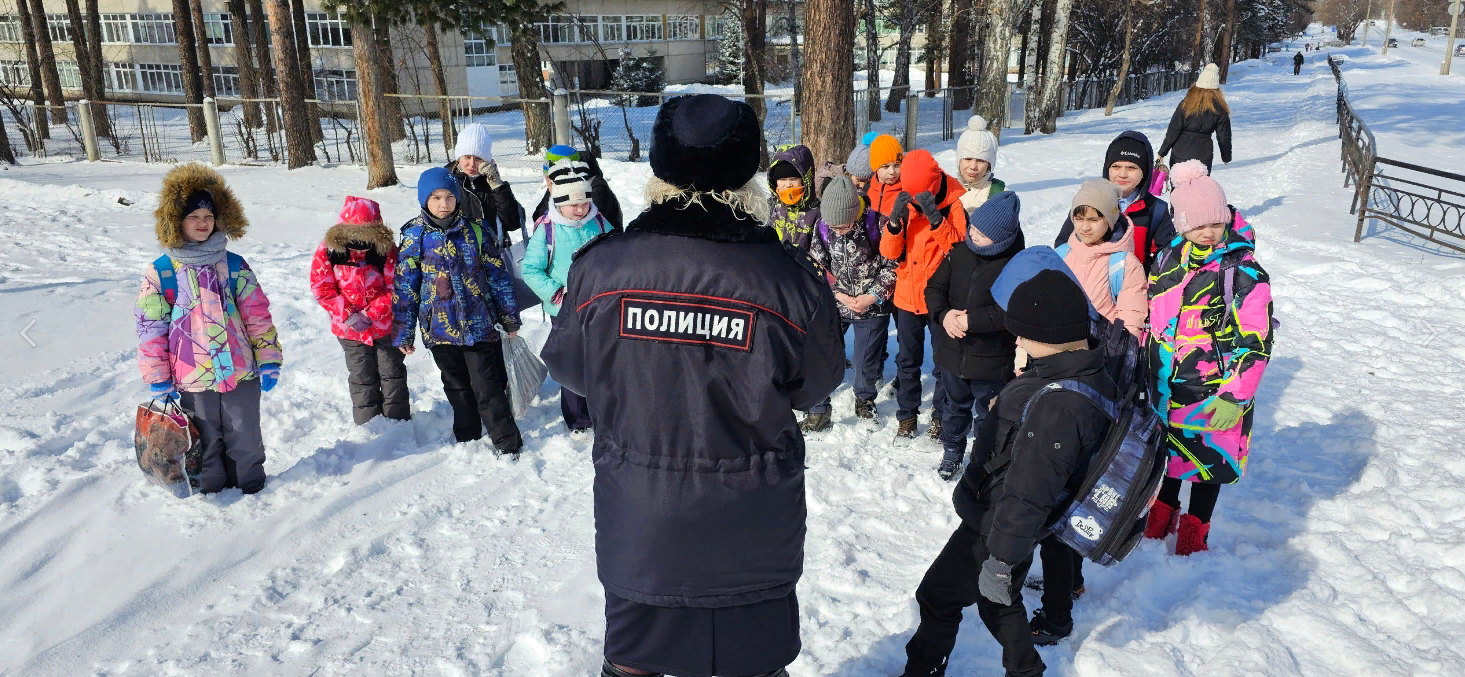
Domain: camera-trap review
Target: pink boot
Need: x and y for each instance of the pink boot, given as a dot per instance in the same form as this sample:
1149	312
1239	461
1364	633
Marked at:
1191	536
1162	520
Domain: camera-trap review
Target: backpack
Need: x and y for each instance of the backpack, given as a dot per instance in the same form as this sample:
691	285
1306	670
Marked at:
872	228
1116	270
1105	518
168	278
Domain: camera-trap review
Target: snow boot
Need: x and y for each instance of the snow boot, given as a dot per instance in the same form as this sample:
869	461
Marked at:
951	460
906	432
1191	536
1078	592
607	669
580	435
815	423
934	432
864	409
1162	521
1045	631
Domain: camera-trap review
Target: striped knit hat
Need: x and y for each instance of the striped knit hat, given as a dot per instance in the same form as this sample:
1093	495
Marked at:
570	183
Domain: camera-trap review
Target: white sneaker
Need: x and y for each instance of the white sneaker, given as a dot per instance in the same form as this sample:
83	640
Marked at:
580	435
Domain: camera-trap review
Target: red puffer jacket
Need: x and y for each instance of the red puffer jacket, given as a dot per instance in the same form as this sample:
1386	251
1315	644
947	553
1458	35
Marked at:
353	270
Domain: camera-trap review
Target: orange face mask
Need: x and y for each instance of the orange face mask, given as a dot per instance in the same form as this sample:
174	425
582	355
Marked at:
791	196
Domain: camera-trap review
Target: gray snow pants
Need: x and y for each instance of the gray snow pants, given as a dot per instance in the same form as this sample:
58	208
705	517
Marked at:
234	450
378	380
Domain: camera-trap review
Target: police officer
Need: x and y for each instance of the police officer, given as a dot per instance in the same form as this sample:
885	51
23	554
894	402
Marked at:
695	335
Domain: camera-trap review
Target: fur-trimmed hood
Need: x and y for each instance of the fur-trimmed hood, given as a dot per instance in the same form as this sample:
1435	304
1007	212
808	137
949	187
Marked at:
178	184
376	234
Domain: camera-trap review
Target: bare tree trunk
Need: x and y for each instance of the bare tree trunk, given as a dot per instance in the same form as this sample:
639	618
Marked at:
1226	43
90	81
900	85
1124	61
307	70
264	64
380	169
49	74
793	43
754	15
1032	77
7	154
872	64
1197	54
829	124
292	91
935	47
1051	105
525	50
33	62
992	96
440	79
205	57
392	106
188	58
957	64
244	59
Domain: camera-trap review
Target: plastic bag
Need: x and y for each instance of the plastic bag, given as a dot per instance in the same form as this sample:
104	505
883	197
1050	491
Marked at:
169	450
526	373
1157	184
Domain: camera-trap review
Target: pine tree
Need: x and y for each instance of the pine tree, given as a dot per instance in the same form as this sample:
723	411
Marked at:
730	54
639	74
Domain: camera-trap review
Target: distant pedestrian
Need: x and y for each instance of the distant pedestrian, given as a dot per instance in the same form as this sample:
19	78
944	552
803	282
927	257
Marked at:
1297	60
1201	114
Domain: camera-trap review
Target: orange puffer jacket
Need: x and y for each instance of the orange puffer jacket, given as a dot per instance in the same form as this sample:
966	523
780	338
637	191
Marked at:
918	248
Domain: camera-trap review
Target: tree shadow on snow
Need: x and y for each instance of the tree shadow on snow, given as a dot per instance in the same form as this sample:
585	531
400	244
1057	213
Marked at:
1251	567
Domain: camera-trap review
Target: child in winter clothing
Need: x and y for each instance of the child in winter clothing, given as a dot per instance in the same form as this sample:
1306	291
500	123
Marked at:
845	245
205	329
1211	338
795	208
1128	164
600	193
973	347
926	219
486	198
886	158
1004	509
452	279
351	277
976	156
1101	251
562	231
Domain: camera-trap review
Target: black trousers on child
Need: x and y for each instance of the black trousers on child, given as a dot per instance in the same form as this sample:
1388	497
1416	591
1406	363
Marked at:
233	445
477	385
910	355
576	410
1202	497
949	586
378	380
1062	574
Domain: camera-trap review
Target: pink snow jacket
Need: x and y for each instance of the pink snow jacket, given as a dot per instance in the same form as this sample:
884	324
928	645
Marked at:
199	342
1090	263
353	270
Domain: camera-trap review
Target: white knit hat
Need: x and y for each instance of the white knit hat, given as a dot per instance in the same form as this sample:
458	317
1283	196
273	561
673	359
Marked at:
569	183
1210	77
977	142
475	140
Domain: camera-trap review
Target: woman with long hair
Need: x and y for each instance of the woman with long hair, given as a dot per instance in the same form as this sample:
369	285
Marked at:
1203	112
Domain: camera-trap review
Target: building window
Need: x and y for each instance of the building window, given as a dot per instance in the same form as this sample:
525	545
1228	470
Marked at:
116	29
480	53
327	30
15	72
219	29
160	78
120	77
153	29
507	77
612	28
70	74
59	26
335	85
567	29
719	25
10	29
683	28
226	80
642	28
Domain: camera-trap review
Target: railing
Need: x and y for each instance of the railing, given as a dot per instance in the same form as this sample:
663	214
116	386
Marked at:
1405	202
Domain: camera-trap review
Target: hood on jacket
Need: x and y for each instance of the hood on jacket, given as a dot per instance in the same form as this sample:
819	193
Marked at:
185	180
919	173
802	160
1149	163
375	235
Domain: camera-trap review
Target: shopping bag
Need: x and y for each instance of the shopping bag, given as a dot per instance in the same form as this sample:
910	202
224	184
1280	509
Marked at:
169	450
526	373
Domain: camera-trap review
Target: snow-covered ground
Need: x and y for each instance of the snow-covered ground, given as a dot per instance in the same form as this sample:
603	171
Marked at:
386	550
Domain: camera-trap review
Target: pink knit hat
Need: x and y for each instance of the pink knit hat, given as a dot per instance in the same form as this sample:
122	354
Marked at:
1196	199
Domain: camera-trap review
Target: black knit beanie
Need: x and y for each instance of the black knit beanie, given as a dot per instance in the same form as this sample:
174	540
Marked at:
783	170
1049	308
199	199
1127	148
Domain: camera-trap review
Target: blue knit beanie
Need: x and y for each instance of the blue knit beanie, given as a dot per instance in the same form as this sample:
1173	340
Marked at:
997	219
434	179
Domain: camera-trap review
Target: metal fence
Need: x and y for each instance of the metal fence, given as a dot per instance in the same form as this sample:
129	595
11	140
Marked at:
1418	203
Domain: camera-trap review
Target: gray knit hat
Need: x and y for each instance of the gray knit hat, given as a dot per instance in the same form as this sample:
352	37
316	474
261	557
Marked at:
858	164
841	201
1100	195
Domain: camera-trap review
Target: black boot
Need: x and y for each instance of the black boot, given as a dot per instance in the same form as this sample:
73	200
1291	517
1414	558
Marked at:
1045	631
816	423
609	670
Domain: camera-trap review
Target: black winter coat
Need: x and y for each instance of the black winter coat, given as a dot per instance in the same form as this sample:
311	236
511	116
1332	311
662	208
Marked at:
1189	136
1012	506
494	207
964	282
695	335
600	193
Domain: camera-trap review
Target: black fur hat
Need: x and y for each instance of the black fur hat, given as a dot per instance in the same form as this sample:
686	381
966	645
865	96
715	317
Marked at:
705	142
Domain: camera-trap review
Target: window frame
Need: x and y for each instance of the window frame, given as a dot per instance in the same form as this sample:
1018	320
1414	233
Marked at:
677	26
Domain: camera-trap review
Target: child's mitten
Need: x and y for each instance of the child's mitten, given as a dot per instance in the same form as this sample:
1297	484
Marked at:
926	202
269	375
1224	414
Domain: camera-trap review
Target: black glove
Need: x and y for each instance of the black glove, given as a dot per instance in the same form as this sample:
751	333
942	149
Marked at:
995	583
926	202
899	213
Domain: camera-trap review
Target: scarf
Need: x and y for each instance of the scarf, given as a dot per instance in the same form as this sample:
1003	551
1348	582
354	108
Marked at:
444	223
983	184
204	253
993	249
559	219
